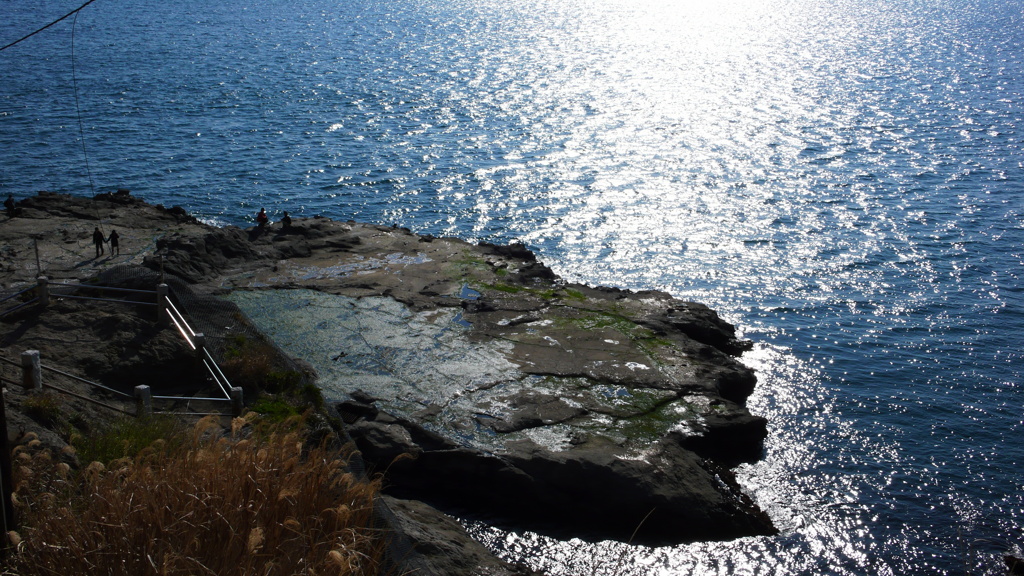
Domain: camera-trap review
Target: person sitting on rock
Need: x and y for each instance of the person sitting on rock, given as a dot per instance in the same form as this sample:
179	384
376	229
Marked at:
114	246
9	204
98	240
261	218
286	220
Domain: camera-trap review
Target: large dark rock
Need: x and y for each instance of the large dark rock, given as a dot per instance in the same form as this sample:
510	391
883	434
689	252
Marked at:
609	372
200	258
700	323
120	208
441	546
515	250
730	437
597	491
203	257
637	396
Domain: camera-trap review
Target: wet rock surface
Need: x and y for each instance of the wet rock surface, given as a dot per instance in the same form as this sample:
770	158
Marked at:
594	491
557	407
470	374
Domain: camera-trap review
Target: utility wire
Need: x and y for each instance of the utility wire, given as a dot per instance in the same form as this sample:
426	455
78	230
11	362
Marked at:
74	78
27	36
78	109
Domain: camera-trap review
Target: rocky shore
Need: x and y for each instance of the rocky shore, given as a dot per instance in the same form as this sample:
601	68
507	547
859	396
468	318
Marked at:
474	378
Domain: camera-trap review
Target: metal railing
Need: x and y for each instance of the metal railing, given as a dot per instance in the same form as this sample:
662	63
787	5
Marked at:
79	379
20	305
45	290
151	293
167	313
197	341
178	319
32	379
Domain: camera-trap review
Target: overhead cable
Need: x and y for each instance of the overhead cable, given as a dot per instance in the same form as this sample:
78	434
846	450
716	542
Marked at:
78	108
27	36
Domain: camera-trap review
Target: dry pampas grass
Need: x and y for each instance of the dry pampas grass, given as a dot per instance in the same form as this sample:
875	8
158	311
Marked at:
265	505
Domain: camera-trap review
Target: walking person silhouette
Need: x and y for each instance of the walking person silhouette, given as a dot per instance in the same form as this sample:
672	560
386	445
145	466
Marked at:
114	240
97	239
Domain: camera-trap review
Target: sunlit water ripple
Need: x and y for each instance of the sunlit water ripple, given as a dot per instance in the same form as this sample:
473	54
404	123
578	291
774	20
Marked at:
843	181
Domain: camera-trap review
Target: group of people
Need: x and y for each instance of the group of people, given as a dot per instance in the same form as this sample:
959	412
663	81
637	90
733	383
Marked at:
262	219
98	240
114	239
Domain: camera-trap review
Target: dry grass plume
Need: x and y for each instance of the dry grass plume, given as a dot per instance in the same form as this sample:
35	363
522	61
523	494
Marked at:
218	504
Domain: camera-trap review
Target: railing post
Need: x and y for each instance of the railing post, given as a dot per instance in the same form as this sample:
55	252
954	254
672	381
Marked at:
162	313
200	342
143	402
44	291
31	372
6	483
236	400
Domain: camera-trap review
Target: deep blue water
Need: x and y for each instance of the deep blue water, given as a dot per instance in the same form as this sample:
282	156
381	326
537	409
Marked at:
844	181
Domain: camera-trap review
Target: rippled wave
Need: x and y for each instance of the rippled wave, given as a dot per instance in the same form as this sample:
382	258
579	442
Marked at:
843	181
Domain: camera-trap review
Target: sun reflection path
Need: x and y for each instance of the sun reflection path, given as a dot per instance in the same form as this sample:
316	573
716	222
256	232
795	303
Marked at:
824	523
840	179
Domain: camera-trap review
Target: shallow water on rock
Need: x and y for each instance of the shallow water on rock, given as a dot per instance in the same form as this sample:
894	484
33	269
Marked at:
841	180
420	365
427	367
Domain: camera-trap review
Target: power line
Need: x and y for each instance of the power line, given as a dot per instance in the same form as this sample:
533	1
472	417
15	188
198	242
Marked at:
27	36
78	108
74	80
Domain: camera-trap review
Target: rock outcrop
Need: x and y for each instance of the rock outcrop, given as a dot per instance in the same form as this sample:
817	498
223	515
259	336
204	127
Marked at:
495	388
470	375
596	491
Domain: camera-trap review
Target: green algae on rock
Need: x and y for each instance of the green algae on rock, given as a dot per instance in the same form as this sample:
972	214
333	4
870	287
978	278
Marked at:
499	378
559	407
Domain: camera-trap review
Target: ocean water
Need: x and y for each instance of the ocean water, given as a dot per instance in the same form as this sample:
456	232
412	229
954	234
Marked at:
844	181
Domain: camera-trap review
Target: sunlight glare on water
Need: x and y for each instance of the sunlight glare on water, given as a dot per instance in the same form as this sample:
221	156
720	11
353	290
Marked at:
824	524
843	181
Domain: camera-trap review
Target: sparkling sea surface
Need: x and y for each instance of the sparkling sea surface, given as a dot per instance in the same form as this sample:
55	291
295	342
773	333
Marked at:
844	181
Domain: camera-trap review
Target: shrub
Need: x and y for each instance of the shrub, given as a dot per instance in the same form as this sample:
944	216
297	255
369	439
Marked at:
254	363
126	437
247	362
44	408
212	505
275	410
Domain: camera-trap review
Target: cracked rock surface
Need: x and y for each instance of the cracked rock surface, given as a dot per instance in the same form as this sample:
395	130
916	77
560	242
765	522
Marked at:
470	374
573	410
